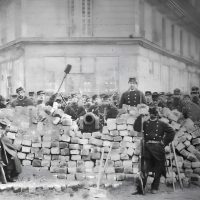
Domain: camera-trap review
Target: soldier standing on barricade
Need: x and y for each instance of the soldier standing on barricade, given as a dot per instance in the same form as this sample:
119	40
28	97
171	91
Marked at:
21	100
157	135
133	96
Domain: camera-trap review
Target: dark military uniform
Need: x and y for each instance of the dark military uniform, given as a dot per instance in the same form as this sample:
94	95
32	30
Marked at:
22	102
157	135
75	111
132	98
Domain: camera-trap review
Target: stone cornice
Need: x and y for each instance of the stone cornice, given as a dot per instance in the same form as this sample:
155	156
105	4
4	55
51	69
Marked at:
98	41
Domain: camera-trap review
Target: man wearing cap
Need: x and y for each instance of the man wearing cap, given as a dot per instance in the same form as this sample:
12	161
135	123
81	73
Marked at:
190	109
169	103
195	95
148	96
157	135
177	100
21	100
40	97
132	96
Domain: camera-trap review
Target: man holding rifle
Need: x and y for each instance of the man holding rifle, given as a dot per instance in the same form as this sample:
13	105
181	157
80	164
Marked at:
157	135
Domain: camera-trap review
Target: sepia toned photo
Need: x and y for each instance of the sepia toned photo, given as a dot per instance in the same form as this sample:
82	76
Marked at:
99	99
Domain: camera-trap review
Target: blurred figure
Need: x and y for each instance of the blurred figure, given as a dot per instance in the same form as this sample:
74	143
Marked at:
195	95
74	110
2	102
169	100
41	98
177	100
148	96
22	99
155	99
190	109
162	100
8	155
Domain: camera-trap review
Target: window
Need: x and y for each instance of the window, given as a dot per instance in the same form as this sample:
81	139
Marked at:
163	33
173	38
86	17
80	17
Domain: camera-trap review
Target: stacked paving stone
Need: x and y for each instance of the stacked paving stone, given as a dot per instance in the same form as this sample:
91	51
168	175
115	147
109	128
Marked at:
187	146
73	155
58	145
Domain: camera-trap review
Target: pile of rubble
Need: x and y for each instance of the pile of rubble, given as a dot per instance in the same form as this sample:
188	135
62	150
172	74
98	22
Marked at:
187	145
49	139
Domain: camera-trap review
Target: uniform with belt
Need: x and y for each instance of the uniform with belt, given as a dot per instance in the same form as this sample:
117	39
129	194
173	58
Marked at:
157	135
132	98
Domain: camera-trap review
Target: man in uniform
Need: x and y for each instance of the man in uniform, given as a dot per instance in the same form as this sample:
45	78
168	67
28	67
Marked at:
195	95
148	96
157	135
132	96
21	100
177	100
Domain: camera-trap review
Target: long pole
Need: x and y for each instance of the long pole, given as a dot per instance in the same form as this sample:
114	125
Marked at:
176	162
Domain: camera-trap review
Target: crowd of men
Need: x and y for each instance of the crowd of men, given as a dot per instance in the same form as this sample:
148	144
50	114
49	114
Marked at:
157	134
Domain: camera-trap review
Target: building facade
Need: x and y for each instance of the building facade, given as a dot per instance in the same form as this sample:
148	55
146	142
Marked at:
106	41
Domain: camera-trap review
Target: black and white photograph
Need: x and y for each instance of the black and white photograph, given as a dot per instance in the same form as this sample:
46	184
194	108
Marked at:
99	99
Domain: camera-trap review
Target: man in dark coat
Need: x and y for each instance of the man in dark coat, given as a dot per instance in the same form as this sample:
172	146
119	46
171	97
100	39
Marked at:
195	95
8	156
21	100
190	109
177	104
132	96
157	135
2	102
104	110
75	110
148	96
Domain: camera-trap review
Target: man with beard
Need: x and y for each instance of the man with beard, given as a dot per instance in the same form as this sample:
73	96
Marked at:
177	100
21	100
157	135
133	96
